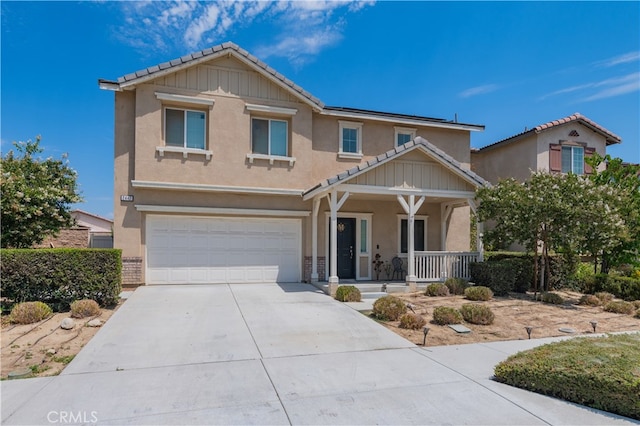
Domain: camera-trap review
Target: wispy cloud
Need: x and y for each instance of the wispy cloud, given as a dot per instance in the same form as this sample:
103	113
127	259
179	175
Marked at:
607	88
478	90
304	27
620	59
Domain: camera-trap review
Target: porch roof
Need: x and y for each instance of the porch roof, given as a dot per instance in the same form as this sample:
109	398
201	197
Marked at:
418	143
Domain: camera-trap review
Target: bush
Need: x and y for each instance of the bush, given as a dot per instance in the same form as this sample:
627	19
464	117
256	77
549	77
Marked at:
636	304
637	314
604	297
437	289
478	292
500	276
389	308
590	300
348	293
412	321
620	307
584	278
523	267
29	312
444	315
627	288
477	314
60	276
456	286
552	298
84	308
600	372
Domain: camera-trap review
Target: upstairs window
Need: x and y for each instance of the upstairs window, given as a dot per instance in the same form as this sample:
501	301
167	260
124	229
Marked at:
270	137
350	140
185	128
573	160
404	135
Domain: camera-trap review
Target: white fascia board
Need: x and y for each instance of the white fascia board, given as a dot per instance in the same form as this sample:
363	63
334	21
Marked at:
109	85
214	188
271	109
147	208
184	99
406	121
383	190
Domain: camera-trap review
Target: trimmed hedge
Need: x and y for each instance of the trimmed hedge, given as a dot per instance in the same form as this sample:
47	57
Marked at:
348	293
499	276
599	372
58	277
626	288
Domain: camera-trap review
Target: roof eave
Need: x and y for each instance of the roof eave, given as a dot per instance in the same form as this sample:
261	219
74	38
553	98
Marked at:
406	121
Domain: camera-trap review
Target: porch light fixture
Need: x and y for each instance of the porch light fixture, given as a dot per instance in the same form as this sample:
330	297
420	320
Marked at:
529	329
594	324
425	331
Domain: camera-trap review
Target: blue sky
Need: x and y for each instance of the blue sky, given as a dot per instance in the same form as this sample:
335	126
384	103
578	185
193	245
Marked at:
504	65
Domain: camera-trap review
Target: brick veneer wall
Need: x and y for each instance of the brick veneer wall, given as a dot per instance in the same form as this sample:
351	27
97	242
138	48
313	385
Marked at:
321	268
67	238
131	271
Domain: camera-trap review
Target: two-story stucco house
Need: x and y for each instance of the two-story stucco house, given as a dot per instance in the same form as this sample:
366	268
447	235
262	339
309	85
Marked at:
226	171
557	146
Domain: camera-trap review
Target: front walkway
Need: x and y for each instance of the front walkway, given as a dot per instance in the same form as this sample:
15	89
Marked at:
274	354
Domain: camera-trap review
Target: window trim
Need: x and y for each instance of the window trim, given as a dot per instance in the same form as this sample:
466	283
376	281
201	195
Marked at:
252	156
350	125
572	147
184	150
404	131
399	230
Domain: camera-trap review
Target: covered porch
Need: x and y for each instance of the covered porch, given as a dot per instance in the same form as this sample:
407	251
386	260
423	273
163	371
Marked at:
409	205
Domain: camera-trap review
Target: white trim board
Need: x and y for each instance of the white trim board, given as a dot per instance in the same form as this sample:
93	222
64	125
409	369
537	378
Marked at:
148	208
213	188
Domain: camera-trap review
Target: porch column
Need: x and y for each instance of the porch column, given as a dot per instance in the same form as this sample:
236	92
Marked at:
445	213
334	205
479	230
411	208
314	240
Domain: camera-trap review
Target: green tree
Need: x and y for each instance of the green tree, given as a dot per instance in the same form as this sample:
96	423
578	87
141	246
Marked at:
36	195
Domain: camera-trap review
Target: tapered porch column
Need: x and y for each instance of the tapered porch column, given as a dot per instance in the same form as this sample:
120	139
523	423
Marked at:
314	240
334	205
411	208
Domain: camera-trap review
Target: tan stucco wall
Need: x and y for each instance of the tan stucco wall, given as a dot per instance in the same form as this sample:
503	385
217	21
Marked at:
561	134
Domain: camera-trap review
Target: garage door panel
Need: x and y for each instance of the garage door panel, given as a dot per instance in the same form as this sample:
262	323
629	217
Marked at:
222	250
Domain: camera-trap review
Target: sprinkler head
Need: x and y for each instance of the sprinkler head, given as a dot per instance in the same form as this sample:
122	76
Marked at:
594	324
529	329
425	330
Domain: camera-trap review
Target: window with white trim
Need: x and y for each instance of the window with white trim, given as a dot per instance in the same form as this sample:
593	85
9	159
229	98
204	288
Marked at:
419	233
404	135
350	137
573	159
270	137
185	128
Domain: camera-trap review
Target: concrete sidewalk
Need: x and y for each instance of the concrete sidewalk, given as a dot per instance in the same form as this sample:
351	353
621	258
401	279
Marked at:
274	354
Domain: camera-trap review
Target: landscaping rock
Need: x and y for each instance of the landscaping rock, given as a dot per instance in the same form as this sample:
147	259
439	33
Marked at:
51	351
67	324
94	323
23	373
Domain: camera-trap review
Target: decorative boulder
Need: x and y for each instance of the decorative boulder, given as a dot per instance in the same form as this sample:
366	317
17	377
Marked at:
67	324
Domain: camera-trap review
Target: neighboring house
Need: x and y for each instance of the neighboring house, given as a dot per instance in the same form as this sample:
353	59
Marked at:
89	231
226	171
557	146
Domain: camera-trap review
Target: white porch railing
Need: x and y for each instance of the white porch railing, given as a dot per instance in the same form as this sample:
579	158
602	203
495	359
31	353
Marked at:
440	265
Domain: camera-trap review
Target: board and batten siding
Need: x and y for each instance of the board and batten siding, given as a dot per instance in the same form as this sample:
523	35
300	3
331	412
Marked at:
226	81
412	174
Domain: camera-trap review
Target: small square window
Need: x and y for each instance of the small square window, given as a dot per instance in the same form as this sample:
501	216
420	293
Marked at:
404	135
269	137
185	128
350	140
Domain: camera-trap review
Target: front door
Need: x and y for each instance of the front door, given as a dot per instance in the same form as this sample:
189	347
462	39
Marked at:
346	248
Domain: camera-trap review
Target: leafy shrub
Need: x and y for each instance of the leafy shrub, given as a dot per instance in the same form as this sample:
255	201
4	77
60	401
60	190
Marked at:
478	292
60	276
620	307
444	315
600	372
456	286
604	296
29	312
348	293
437	289
523	267
552	298
636	304
477	314
389	308
590	300
500	276
84	308
412	321
637	314
584	278
627	288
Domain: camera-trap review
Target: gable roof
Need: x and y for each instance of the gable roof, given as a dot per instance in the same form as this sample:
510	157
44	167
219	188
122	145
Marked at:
129	81
418	143
611	138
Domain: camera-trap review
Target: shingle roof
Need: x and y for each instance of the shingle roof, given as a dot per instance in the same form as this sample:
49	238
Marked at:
611	137
417	143
149	73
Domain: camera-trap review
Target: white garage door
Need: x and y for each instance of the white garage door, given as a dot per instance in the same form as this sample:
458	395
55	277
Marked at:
222	250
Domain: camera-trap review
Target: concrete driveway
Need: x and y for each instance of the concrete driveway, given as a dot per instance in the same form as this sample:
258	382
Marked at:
274	354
